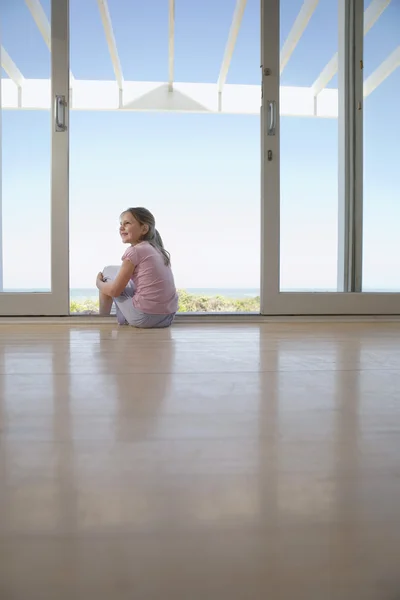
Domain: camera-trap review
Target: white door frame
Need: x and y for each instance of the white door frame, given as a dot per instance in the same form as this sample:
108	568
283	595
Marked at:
350	300
55	302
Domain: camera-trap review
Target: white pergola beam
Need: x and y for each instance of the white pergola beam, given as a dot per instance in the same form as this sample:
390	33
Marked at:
373	12
11	68
371	15
41	20
43	24
186	97
171	44
382	72
191	98
111	43
230	45
326	75
297	31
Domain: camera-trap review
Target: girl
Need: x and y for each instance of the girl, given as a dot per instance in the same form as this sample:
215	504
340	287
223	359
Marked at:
143	288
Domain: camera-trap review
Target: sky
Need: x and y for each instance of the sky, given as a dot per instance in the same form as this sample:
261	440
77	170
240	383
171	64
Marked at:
199	174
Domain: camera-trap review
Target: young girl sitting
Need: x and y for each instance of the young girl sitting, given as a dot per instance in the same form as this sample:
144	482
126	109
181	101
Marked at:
143	288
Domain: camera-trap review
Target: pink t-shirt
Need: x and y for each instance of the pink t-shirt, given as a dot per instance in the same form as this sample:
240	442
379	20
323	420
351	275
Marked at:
155	291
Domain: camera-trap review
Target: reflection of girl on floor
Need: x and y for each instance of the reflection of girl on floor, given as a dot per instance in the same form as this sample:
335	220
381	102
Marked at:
143	287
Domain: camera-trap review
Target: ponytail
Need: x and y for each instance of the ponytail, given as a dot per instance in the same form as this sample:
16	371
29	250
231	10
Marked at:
157	243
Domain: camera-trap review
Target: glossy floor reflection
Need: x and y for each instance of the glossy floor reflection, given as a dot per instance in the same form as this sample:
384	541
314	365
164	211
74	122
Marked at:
200	463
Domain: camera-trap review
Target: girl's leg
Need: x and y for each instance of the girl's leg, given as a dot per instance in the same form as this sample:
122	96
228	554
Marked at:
109	274
141	320
146	321
105	302
120	315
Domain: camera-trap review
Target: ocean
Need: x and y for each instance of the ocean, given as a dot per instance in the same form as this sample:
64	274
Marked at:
82	294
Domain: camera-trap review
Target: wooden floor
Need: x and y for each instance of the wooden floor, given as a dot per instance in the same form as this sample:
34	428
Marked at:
237	462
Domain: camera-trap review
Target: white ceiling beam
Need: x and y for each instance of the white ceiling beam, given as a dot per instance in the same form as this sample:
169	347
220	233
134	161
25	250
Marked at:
11	68
171	44
230	45
371	15
43	24
385	69
111	43
297	31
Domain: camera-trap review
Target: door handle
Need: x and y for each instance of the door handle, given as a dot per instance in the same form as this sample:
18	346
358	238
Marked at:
271	120
60	106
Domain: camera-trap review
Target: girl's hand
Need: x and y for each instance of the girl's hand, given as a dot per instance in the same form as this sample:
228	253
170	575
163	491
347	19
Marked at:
100	277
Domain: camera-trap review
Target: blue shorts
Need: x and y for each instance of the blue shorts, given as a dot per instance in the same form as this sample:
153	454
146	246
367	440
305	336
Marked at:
127	314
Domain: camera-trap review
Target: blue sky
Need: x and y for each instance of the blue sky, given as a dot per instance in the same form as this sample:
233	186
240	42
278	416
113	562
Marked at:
199	174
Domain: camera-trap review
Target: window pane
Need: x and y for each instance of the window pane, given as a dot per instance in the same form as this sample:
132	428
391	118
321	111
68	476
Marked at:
192	172
25	155
381	249
309	153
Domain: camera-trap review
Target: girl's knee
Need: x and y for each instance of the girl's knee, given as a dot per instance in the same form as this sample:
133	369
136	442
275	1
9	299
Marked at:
108	268
110	272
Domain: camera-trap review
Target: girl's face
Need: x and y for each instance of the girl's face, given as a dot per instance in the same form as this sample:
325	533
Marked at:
131	231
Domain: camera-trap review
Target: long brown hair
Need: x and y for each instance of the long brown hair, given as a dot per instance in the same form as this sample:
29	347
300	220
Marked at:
145	217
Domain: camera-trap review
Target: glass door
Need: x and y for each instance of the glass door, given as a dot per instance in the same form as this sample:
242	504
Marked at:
314	90
168	115
34	98
381	240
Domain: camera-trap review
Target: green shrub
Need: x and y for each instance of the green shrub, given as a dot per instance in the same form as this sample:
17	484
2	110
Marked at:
88	304
189	303
193	303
